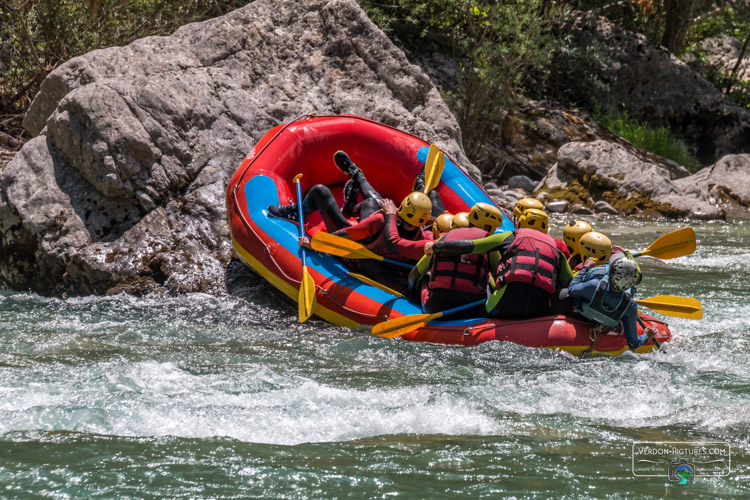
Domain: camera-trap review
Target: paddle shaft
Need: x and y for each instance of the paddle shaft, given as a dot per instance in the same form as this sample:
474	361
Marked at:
405	324
301	219
306	298
459	308
643	325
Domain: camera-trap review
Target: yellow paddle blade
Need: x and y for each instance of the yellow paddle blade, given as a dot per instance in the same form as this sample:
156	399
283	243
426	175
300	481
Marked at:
341	247
306	299
374	283
433	168
670	305
675	244
405	324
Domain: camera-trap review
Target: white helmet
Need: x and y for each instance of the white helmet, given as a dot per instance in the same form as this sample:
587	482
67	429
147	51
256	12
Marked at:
623	274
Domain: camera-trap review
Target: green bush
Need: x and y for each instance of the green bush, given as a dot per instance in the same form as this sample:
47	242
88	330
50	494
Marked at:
659	140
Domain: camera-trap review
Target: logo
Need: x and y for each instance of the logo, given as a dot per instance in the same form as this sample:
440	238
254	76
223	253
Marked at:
681	471
682	461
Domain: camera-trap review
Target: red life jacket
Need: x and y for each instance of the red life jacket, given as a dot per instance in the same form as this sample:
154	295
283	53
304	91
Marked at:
463	273
532	257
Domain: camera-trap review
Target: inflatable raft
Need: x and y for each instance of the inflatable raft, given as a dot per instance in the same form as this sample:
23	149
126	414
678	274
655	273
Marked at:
390	159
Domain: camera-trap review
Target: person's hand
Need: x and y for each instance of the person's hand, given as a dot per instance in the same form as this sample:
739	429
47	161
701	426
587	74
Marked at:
589	262
388	206
304	241
650	332
428	248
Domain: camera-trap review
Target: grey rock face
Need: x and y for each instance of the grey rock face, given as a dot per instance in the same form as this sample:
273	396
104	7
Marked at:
607	169
123	189
679	95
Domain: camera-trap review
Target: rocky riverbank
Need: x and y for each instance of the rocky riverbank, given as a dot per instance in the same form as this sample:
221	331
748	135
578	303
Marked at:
122	186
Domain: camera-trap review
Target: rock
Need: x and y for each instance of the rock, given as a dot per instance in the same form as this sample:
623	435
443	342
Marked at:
490	185
630	185
541	128
557	206
514	195
123	187
718	53
522	182
602	207
726	182
578	209
624	67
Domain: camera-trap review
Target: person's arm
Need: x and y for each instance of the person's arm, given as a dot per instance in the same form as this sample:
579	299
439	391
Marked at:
494	259
363	229
630	327
564	274
419	270
409	249
482	245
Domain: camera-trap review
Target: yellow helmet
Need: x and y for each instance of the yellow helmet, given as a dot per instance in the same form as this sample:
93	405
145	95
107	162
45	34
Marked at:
461	219
442	224
534	218
415	209
572	235
525	204
597	246
485	216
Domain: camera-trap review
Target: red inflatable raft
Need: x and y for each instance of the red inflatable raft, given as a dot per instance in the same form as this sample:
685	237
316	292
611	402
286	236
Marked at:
390	159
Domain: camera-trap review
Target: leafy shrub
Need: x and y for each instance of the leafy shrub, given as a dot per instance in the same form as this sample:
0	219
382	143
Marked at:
656	139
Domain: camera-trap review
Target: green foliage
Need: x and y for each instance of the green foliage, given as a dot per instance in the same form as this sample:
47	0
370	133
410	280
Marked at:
729	21
659	140
38	35
498	44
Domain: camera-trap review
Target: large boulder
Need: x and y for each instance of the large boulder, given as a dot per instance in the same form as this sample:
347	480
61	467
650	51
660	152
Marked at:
653	85
586	172
122	189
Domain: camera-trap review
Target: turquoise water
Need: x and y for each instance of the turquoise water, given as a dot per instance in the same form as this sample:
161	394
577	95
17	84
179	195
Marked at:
206	397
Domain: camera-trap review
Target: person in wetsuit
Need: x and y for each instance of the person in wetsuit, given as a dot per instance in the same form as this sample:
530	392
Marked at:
530	270
603	294
444	281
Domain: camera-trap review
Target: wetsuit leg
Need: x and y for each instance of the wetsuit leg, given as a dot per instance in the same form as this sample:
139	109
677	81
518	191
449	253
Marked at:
437	202
321	199
367	191
367	208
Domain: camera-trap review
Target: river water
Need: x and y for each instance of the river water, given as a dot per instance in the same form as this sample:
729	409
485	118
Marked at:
226	397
